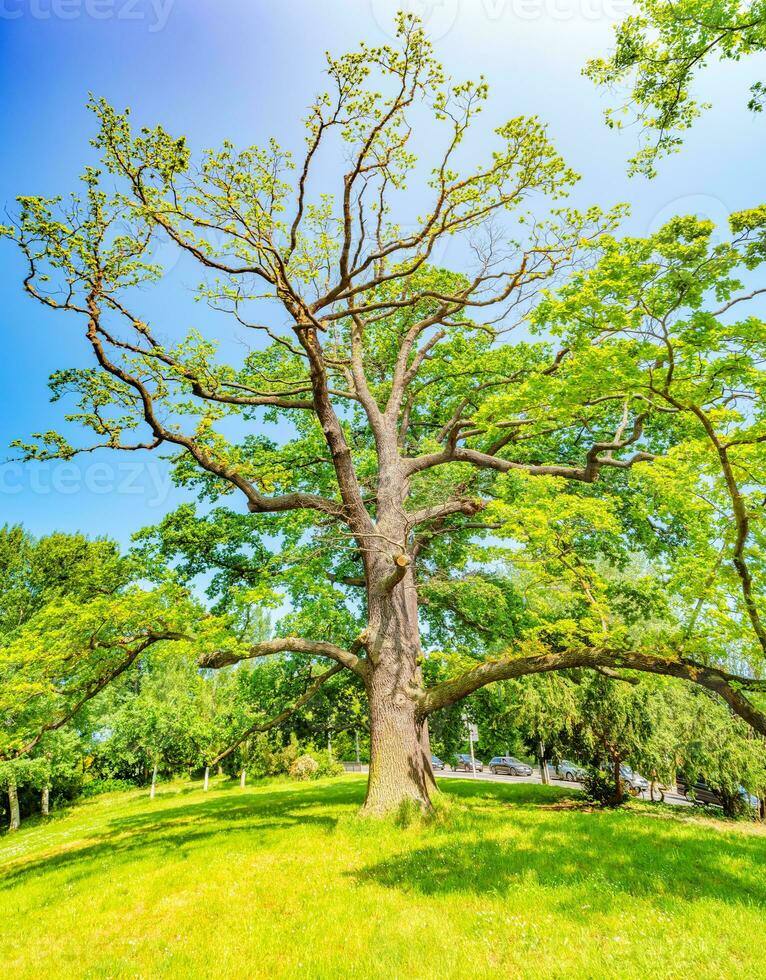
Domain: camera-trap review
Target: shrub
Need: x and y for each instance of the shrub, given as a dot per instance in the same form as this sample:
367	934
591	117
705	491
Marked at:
265	758
289	753
328	766
95	787
304	767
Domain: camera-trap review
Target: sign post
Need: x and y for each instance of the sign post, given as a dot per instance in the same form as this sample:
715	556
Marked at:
473	736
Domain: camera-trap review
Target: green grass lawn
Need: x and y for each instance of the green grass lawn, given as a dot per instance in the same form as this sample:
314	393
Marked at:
282	880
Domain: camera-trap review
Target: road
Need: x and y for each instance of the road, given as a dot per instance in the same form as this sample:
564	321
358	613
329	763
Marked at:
488	777
670	797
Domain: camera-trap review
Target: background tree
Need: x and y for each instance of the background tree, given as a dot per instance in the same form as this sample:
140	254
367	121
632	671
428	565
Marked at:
14	775
73	617
419	446
615	721
723	752
156	724
63	755
658	53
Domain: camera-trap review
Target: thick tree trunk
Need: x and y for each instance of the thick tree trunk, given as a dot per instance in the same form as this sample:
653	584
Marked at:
13	802
400	759
45	798
400	753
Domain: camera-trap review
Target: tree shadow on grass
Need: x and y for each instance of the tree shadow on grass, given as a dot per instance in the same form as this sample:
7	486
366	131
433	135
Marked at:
177	830
606	854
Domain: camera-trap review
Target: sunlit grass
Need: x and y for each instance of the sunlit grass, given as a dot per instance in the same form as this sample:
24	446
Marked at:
282	880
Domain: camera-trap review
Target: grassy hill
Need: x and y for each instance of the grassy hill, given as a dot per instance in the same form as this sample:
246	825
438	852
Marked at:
281	880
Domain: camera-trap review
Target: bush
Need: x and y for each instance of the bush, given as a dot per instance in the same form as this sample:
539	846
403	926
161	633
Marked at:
267	760
304	767
95	787
328	766
264	758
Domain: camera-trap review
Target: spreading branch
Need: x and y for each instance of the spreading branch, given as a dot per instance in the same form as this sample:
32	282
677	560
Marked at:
728	686
285	644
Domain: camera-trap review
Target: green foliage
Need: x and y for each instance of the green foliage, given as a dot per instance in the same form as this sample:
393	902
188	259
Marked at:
658	52
328	764
163	716
263	756
23	772
74	616
598	787
99	787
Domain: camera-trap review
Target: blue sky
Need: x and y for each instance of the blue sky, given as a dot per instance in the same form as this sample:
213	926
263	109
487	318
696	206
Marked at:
246	70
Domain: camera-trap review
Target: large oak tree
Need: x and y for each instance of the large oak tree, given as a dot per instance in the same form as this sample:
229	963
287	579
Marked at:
411	472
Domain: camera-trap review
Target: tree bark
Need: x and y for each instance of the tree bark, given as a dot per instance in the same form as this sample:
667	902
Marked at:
45	801
13	801
400	754
618	791
154	782
207	778
243	778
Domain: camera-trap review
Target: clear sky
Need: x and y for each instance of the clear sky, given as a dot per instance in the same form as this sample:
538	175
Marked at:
245	70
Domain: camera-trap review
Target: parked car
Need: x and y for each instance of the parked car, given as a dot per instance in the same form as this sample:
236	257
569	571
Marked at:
570	771
507	764
463	762
635	782
436	762
700	793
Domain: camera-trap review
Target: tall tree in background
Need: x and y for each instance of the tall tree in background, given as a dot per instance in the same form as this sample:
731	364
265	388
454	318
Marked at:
427	472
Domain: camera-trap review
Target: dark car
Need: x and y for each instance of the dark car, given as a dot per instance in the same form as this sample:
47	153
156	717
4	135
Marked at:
436	762
701	794
463	762
570	771
507	764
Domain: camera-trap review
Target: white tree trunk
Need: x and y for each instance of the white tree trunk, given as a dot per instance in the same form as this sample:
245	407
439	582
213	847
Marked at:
207	779
243	778
45	806
545	776
154	782
13	800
